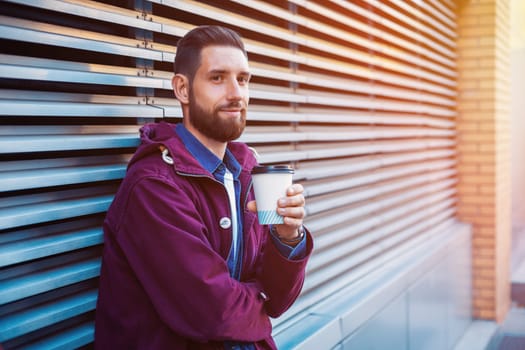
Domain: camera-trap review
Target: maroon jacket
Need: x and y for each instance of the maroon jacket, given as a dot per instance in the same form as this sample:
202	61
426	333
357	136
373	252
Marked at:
164	280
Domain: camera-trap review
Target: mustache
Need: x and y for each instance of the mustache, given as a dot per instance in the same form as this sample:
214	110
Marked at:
234	104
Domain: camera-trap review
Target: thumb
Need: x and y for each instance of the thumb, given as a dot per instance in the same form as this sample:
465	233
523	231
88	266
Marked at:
251	206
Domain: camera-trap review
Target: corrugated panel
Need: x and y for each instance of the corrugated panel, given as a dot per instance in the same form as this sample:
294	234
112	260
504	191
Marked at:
358	95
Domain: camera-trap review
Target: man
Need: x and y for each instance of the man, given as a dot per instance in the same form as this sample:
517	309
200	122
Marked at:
186	265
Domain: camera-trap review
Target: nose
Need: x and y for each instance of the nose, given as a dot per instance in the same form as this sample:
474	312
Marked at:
235	91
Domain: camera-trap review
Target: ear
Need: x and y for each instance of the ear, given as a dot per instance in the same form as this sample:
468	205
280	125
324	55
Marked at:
180	85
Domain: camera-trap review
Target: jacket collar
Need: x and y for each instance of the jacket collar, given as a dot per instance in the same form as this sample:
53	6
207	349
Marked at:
154	135
206	158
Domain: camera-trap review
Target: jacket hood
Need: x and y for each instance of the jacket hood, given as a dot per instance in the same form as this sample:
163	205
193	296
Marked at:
155	135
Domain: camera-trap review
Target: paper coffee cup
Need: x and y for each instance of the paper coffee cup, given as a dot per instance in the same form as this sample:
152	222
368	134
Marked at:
270	184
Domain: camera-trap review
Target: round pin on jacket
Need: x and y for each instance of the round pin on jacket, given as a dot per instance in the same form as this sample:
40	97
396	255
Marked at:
225	222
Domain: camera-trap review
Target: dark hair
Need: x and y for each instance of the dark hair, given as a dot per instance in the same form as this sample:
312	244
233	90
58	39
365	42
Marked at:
189	47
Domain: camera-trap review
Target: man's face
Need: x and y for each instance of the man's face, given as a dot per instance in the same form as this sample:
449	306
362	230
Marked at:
219	94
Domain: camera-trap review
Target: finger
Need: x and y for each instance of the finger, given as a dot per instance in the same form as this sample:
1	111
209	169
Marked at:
292	212
294	190
292	201
293	222
251	206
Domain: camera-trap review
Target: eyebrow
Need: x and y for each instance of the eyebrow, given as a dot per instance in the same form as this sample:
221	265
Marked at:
223	71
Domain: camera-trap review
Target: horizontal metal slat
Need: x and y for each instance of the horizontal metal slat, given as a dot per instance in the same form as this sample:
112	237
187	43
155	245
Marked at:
24	322
335	100
313	151
44	143
44	207
328	115
75	109
316	133
35	173
50	229
95	99
94	10
42	33
375	146
302	135
58	129
30	68
43	281
420	156
302	152
317	170
44	212
41	177
39	247
72	338
59	137
40	104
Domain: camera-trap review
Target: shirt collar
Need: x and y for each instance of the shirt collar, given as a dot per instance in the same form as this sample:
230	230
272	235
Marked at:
206	158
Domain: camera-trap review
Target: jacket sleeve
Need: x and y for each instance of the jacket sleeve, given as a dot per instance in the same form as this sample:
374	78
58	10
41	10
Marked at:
282	278
188	283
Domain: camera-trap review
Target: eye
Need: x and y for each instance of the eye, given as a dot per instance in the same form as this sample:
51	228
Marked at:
243	79
216	78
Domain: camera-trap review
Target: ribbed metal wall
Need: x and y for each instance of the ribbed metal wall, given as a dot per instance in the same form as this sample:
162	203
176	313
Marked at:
358	95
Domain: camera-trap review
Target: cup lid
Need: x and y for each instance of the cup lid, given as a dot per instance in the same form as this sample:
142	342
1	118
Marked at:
275	169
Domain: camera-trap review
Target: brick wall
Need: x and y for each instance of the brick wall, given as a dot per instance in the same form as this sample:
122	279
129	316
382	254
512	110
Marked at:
484	149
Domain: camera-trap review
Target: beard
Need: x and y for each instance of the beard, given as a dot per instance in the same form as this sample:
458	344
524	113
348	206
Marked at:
210	124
